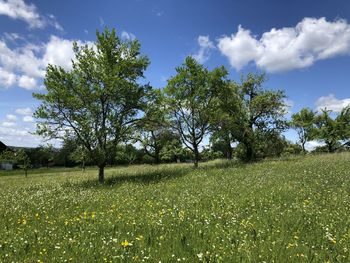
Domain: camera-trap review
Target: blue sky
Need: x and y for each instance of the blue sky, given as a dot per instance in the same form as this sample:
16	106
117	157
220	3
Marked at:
303	46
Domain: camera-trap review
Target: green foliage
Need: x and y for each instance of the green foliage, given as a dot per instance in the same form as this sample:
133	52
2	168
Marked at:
18	157
332	131
8	156
189	96
292	149
154	131
304	123
128	154
248	114
98	100
295	210
174	152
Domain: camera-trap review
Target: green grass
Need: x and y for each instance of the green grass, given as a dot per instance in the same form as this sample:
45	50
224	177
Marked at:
292	210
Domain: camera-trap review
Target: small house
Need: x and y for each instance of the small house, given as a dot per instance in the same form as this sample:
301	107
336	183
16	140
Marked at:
5	164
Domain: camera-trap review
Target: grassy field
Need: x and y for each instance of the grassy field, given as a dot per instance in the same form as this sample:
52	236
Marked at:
292	210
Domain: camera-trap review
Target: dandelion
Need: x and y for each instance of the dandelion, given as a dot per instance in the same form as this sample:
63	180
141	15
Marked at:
125	244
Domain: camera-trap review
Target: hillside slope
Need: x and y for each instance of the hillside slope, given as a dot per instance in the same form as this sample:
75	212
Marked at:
294	210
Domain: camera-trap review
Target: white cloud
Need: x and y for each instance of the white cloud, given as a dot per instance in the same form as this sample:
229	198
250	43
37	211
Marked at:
128	36
27	82
330	102
312	145
18	9
288	48
24	111
11	117
240	48
59	52
205	45
7	79
8	124
20	137
24	66
28	119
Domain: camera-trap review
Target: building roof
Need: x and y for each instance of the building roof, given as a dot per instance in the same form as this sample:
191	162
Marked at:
2	147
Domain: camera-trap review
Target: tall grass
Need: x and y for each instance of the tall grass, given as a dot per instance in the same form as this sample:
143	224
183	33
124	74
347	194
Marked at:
294	210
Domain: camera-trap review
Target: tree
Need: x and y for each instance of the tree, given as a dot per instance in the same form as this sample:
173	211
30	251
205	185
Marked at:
249	114
47	154
98	100
334	132
173	151
303	123
226	105
80	155
154	129
189	95
344	125
23	160
262	111
19	157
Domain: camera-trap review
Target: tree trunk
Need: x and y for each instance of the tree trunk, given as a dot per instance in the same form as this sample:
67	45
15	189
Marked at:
229	152
83	165
330	148
156	156
303	146
101	173
250	152
196	156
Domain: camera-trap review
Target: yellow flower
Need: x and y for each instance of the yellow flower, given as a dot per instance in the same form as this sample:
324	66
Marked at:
125	243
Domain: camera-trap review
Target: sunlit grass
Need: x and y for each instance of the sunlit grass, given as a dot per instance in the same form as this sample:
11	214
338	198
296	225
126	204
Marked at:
293	210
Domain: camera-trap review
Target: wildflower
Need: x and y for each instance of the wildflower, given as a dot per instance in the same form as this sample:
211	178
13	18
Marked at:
125	244
139	238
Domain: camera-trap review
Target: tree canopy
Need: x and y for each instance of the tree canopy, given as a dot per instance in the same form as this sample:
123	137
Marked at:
98	100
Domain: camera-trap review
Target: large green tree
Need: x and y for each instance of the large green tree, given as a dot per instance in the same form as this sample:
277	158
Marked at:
304	123
153	130
333	131
98	100
189	95
249	114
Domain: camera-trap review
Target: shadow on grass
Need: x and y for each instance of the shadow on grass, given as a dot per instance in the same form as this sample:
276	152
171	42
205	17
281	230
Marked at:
145	178
154	175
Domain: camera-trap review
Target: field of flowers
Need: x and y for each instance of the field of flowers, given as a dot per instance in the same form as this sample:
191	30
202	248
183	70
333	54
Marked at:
291	210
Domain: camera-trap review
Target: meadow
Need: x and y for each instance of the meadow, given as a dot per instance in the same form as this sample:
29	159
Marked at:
294	209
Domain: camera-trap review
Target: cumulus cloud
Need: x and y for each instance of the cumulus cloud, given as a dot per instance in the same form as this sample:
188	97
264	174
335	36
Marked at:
28	119
18	9
7	79
205	45
11	117
287	48
24	111
330	102
19	136
8	124
59	52
25	65
27	82
127	36
312	145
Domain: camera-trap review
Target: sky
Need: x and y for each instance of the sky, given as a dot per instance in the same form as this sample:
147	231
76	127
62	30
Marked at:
303	46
